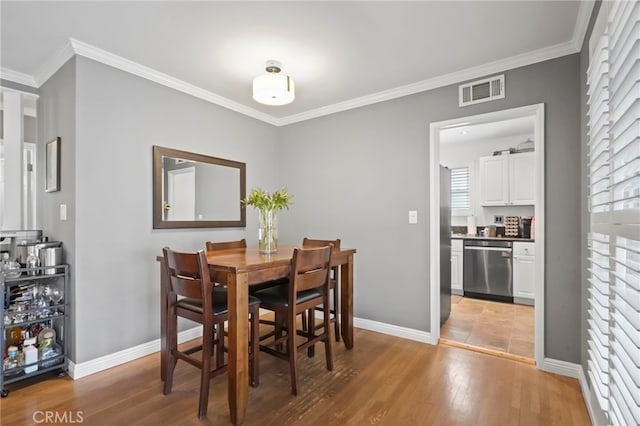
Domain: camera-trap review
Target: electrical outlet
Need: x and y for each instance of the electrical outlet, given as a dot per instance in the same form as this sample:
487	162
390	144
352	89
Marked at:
413	216
498	220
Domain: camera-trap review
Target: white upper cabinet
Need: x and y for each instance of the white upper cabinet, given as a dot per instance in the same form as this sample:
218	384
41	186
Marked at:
522	179
494	181
507	180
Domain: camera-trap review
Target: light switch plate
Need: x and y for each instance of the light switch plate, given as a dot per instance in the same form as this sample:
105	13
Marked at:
413	216
63	212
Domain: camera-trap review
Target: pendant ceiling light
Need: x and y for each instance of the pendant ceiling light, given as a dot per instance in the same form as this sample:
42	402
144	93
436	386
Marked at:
273	88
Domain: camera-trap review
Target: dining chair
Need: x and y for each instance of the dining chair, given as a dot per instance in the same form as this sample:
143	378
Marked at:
307	288
334	303
191	294
221	279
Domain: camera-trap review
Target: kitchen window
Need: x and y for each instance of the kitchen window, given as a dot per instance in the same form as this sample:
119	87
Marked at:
460	191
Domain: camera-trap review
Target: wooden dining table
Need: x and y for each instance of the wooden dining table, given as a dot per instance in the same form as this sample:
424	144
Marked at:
239	269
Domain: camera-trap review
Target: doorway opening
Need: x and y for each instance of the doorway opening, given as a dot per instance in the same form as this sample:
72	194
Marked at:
181	193
485	211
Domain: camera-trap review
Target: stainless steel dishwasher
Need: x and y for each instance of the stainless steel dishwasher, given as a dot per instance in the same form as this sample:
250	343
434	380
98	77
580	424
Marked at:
488	269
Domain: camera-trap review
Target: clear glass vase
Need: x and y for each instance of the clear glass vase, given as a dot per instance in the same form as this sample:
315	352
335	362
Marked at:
268	231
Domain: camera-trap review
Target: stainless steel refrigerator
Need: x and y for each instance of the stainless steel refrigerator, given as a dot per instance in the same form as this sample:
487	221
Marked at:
445	244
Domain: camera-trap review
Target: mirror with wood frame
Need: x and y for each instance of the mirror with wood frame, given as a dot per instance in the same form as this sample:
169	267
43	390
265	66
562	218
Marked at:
197	191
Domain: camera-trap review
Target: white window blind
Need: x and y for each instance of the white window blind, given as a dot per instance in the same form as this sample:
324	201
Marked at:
614	199
598	318
460	190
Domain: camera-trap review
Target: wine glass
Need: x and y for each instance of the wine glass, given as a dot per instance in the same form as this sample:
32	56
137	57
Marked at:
48	293
43	302
35	292
56	295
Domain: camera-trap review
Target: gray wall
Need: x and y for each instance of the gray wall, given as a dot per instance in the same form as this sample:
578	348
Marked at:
119	118
356	174
57	117
106	183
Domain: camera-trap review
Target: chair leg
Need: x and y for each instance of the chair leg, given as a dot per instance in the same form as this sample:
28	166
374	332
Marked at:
278	329
255	342
311	329
219	344
336	309
172	346
205	373
293	351
328	341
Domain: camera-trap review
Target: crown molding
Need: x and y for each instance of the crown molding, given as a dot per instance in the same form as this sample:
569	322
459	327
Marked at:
53	64
99	55
472	73
123	64
582	23
17	77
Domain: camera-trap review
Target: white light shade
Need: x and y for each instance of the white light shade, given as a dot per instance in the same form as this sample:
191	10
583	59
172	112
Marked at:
273	89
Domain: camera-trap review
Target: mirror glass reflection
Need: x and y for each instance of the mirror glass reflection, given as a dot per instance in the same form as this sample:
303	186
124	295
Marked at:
197	191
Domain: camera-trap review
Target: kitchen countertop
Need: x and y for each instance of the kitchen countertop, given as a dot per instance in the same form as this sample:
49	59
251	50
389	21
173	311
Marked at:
473	237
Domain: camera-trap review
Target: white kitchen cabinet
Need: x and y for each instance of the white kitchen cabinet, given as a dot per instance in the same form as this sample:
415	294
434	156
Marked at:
494	181
522	179
524	272
456	267
507	180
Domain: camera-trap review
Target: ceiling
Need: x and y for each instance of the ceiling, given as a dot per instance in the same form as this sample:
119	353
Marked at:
341	54
473	132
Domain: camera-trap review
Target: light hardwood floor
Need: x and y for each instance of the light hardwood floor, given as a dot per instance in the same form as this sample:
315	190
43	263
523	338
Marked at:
384	380
501	327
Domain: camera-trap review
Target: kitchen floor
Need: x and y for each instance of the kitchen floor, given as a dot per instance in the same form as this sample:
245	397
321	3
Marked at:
502	327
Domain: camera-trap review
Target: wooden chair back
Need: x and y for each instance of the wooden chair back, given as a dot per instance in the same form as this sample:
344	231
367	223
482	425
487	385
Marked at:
309	269
308	242
225	245
333	283
188	275
221	278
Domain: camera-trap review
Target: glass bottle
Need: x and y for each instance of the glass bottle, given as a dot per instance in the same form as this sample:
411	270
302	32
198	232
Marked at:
33	262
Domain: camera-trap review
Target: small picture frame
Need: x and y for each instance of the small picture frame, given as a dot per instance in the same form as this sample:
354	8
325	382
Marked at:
52	172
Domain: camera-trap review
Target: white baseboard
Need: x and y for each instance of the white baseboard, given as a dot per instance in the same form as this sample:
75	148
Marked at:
77	371
394	330
573	370
586	395
563	368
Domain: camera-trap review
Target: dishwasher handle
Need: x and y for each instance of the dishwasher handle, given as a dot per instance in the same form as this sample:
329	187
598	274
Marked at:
480	248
